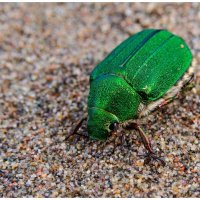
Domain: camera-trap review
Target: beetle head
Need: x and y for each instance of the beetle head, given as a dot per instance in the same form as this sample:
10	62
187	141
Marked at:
101	123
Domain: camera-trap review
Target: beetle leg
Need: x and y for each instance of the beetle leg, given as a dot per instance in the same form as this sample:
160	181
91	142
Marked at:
76	129
145	141
189	84
144	138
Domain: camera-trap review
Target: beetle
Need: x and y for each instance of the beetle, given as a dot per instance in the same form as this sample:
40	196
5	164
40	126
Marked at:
143	73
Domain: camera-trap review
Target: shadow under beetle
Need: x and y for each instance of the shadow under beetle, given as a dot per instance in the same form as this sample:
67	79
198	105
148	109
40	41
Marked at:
140	75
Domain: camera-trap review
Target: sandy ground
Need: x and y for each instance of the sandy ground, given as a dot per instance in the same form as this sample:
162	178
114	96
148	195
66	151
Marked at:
47	52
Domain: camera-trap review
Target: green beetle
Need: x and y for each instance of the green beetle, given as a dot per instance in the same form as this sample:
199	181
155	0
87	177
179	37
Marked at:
143	73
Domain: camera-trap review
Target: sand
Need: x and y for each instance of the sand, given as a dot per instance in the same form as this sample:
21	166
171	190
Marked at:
47	52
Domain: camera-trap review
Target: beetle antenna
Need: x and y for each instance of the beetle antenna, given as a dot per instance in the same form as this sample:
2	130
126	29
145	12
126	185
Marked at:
77	128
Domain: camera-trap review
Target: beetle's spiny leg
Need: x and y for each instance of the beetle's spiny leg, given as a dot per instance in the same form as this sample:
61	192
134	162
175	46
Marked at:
77	128
146	142
158	158
150	156
78	136
144	138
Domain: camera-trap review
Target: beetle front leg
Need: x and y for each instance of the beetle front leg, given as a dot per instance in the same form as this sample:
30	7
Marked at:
145	141
143	136
76	129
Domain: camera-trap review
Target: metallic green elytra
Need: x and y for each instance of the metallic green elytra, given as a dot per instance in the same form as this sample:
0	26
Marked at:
138	71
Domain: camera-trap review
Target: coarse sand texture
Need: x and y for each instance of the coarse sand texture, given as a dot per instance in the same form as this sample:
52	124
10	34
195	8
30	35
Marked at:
47	52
